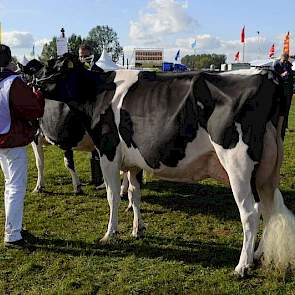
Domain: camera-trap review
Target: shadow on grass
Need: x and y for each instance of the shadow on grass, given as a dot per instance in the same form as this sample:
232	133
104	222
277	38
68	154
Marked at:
199	198
207	254
192	198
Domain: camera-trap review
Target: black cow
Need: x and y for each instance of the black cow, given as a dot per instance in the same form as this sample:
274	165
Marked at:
187	127
61	127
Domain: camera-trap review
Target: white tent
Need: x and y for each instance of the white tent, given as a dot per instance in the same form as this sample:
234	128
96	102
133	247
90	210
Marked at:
105	62
24	61
262	62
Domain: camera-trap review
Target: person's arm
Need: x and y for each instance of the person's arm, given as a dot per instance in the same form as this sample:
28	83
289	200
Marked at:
277	67
24	102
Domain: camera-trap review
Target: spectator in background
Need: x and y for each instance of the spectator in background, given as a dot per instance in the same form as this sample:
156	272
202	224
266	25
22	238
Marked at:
19	106
87	58
284	68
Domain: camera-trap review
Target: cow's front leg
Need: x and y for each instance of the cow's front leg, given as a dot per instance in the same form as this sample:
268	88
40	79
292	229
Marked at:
134	197
70	165
111	174
39	158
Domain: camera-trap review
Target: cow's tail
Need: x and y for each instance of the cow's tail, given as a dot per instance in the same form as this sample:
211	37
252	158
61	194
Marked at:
279	236
278	240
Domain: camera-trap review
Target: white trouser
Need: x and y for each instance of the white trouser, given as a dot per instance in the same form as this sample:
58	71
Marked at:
14	165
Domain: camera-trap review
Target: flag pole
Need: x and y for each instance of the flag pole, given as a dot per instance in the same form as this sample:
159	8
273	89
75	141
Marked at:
258	41
243	41
0	33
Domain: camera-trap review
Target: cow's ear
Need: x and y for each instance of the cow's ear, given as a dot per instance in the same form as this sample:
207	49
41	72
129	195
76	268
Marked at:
20	66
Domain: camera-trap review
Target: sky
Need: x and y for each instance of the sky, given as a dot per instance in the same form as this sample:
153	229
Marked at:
168	24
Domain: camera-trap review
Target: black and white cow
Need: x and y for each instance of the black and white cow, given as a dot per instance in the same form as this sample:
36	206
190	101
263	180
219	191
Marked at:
187	127
58	126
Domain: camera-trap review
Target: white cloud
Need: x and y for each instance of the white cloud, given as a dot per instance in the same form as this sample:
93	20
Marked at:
161	19
166	24
16	39
41	42
21	43
204	42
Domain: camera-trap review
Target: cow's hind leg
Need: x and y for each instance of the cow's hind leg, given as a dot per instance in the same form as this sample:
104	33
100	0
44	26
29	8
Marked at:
277	244
266	194
111	174
134	201
124	186
239	168
70	165
39	158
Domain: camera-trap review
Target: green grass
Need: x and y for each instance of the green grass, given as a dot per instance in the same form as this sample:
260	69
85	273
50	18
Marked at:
192	243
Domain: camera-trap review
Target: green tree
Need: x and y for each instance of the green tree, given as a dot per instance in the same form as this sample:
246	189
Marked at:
203	61
97	38
104	37
49	50
74	41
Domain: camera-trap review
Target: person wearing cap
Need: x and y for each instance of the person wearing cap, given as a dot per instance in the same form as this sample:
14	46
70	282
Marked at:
87	58
284	68
19	108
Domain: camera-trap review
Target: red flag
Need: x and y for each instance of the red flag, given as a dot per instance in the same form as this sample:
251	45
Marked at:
237	56
287	43
243	35
271	51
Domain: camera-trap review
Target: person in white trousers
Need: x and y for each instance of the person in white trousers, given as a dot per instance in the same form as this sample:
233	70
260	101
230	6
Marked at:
14	166
19	107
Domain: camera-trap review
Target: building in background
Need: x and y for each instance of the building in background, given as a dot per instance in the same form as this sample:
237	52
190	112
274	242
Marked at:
235	66
148	57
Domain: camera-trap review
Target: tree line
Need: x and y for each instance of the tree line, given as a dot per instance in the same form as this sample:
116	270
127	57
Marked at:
203	61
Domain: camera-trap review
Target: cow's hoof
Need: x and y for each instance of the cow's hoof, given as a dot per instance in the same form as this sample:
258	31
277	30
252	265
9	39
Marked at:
78	190
102	186
138	234
108	239
38	189
242	271
129	208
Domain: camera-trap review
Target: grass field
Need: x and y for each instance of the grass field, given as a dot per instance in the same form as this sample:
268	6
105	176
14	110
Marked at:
192	243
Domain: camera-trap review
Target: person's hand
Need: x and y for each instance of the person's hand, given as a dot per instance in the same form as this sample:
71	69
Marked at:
284	74
37	91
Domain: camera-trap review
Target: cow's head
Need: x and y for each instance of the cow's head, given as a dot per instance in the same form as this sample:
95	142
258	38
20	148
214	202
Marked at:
33	69
61	78
65	79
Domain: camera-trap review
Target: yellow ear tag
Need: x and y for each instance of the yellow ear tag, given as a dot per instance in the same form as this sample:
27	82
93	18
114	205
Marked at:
70	65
